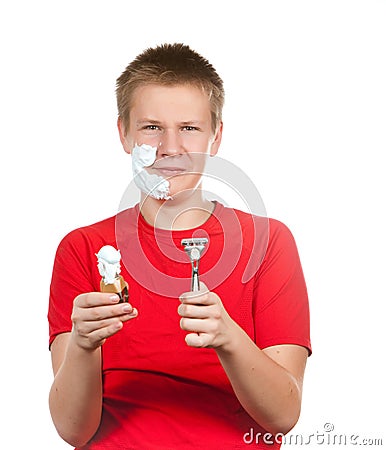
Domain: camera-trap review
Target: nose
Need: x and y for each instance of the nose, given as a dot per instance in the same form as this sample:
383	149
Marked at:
170	144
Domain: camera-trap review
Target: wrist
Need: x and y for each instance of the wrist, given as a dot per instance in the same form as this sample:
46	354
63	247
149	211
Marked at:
75	345
232	340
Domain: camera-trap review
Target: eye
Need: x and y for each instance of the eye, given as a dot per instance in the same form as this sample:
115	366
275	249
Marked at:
151	129
189	128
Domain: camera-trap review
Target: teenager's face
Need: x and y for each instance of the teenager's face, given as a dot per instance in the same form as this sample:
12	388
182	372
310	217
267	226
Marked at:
177	121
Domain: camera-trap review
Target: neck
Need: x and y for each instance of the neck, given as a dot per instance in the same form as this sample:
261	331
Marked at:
181	213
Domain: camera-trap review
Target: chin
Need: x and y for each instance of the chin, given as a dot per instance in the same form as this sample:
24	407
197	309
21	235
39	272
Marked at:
182	184
184	195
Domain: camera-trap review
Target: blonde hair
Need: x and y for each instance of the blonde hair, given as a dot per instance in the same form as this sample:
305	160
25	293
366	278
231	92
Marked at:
168	65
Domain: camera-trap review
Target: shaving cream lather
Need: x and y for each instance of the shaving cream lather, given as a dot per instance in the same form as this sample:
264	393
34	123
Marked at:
109	268
194	248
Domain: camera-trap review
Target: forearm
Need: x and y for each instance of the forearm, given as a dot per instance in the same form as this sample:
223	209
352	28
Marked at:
76	395
267	391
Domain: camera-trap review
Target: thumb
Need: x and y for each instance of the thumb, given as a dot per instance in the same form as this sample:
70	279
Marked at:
203	288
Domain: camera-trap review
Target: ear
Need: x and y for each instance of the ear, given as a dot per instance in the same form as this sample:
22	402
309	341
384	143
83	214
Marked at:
122	136
217	140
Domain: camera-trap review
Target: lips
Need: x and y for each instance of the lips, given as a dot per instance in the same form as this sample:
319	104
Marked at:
168	167
168	171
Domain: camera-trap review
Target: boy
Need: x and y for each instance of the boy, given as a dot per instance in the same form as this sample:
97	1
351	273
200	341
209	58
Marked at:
173	369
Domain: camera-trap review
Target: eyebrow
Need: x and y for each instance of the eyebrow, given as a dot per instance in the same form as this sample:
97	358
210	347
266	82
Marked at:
158	122
147	120
191	122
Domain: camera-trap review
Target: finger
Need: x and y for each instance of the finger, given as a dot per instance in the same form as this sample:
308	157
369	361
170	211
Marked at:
98	313
195	311
191	294
198	340
93	299
198	325
86	328
132	315
99	336
195	298
203	287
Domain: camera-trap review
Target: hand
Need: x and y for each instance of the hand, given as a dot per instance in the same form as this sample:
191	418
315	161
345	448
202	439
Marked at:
203	314
97	316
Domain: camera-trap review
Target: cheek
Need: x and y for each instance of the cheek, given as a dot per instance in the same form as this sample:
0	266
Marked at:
139	137
153	139
128	142
198	144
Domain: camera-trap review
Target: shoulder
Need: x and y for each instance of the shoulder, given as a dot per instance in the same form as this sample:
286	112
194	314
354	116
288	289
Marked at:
89	237
254	226
263	240
279	231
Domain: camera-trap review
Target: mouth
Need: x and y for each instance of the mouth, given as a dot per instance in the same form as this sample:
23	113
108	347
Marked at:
169	171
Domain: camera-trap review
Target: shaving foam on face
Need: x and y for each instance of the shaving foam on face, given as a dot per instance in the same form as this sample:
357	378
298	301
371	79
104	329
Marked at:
143	156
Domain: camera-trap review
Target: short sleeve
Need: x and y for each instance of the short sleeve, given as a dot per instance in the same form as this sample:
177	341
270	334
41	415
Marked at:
281	309
71	276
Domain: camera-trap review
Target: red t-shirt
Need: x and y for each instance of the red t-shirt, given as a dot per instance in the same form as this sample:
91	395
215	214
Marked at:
158	393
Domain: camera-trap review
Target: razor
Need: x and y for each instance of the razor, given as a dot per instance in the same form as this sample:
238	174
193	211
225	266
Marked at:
194	248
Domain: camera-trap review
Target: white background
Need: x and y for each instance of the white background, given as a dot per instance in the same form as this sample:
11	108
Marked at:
305	118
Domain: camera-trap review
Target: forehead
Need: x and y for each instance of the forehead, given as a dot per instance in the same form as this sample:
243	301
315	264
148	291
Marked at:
160	100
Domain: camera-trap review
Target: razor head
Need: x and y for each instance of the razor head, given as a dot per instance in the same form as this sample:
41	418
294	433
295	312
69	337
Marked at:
194	247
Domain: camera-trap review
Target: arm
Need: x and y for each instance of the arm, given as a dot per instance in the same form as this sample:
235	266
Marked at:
268	383
76	393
